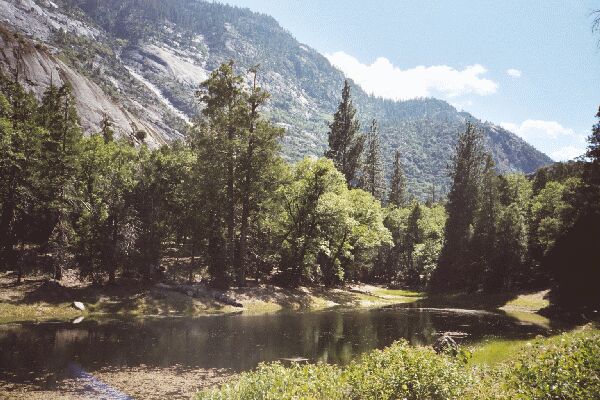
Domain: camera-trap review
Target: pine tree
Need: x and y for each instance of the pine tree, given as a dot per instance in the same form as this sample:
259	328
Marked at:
461	207
237	153
259	157
60	152
591	175
413	236
20	153
397	196
372	173
222	94
345	141
486	267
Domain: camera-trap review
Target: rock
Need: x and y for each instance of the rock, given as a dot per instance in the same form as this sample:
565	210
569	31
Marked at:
223	298
163	286
79	305
296	359
77	320
446	345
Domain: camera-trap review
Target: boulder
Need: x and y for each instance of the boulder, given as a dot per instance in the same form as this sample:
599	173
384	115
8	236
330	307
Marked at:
445	344
79	305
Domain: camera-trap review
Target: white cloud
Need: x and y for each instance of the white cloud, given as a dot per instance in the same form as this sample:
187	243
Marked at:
515	73
382	78
567	153
559	142
536	128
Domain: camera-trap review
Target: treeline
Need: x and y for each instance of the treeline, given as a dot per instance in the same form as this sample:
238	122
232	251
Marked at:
512	232
223	198
225	201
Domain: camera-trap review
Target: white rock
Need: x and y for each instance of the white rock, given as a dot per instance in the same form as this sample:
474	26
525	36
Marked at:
79	305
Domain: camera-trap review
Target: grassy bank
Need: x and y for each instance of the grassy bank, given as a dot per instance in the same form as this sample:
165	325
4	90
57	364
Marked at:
566	366
36	299
37	312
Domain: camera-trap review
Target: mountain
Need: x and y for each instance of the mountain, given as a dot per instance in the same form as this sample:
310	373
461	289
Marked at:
140	62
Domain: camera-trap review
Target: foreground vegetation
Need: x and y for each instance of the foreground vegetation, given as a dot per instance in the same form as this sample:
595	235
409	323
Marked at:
566	366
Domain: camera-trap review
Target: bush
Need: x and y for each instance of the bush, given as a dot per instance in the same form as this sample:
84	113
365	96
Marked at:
405	372
276	382
564	367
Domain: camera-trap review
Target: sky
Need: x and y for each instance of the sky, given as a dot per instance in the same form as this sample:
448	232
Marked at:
531	66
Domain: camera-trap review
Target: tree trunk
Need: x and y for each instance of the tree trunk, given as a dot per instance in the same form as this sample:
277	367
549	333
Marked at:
246	204
8	211
20	263
192	262
231	248
243	243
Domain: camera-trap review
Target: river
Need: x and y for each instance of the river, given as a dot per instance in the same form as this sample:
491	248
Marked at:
236	342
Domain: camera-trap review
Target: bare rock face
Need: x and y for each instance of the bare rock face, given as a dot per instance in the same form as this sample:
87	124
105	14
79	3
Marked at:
39	69
141	62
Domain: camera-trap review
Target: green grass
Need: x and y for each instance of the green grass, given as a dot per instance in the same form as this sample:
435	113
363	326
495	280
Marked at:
530	302
495	351
37	312
529	317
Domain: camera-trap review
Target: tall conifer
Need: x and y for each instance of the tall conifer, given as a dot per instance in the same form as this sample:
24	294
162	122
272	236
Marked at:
397	194
461	207
345	141
372	174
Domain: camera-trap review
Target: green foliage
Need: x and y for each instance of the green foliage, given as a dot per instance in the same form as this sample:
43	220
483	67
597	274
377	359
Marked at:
237	164
106	218
512	270
371	178
397	195
326	227
564	367
417	233
591	173
462	207
403	372
548	210
20	166
345	142
276	382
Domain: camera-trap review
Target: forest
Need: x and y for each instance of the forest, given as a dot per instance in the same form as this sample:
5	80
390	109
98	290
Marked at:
226	202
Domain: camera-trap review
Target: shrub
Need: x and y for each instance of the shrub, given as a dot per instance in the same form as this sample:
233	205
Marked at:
276	382
564	367
405	372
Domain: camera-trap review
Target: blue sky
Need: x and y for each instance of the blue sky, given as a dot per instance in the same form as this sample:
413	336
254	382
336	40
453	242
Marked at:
531	66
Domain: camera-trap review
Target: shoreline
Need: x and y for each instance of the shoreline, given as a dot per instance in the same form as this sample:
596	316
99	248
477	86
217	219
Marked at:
38	299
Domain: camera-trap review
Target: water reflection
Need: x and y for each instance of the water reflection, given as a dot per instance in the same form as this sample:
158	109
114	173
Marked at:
238	342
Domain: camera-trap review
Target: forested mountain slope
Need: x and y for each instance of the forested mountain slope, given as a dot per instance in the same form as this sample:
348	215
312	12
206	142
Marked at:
140	62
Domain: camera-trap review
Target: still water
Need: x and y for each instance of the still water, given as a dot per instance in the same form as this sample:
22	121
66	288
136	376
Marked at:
238	342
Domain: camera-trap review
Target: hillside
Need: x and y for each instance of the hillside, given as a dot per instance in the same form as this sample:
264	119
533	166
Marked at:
140	61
